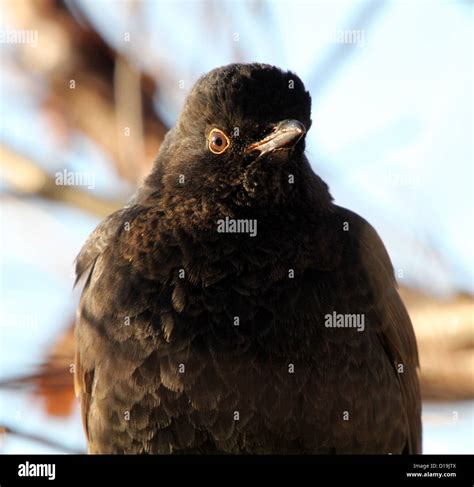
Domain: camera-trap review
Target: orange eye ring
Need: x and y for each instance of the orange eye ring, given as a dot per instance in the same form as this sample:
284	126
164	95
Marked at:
218	142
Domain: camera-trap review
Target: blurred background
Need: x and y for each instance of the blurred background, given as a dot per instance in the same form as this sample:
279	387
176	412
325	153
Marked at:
89	88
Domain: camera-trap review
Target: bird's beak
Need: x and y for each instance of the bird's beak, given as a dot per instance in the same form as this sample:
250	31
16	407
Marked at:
285	135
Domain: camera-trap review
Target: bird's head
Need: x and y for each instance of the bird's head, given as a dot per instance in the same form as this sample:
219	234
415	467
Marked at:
240	137
243	111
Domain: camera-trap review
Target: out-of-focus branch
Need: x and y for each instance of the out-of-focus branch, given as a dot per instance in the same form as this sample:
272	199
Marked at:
27	178
52	382
38	439
445	335
80	70
128	114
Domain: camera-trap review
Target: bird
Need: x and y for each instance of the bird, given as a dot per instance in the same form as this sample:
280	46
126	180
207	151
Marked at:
231	306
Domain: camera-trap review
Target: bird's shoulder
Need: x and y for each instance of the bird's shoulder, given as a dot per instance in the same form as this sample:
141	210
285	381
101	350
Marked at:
363	244
102	236
128	226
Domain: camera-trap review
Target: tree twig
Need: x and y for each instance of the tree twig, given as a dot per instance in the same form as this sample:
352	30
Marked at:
38	439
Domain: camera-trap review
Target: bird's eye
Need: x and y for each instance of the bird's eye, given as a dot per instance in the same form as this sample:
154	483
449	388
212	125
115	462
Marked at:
218	141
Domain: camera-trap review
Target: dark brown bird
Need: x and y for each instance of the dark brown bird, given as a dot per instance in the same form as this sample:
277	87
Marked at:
232	306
